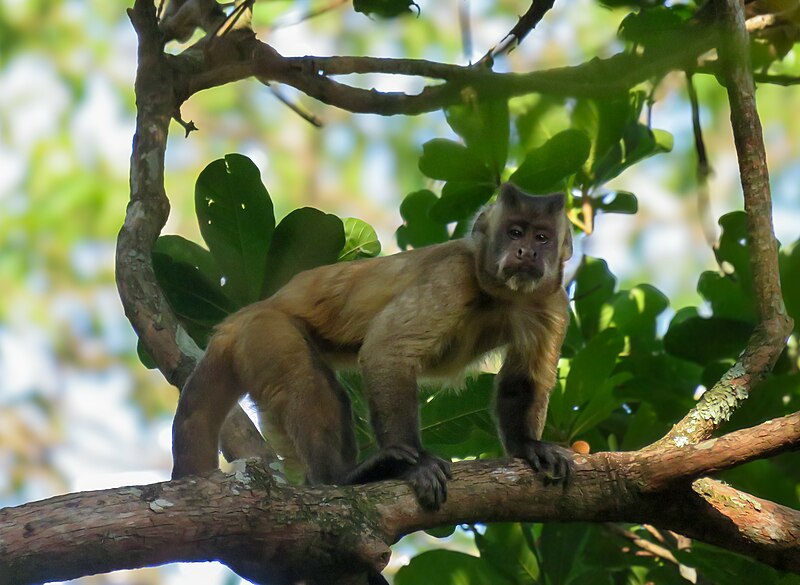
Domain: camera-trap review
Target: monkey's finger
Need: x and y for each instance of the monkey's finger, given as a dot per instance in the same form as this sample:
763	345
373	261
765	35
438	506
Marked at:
403	453
534	461
444	466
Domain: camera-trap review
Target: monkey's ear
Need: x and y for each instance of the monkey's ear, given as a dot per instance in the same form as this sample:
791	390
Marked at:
555	202
566	245
481	225
509	196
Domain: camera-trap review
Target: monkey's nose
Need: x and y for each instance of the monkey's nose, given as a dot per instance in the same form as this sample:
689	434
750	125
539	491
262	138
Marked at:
521	253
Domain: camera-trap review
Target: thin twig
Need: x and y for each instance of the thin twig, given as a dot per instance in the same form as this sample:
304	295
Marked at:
703	167
525	24
309	117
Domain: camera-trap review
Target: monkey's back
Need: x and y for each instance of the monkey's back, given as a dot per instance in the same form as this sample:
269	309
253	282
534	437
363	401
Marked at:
337	303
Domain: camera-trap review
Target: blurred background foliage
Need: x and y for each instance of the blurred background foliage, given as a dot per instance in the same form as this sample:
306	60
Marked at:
655	319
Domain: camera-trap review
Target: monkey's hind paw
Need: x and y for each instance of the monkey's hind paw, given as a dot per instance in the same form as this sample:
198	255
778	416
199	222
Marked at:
428	478
553	461
388	463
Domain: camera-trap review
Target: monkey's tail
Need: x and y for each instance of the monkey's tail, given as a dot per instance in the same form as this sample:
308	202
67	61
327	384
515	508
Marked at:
204	403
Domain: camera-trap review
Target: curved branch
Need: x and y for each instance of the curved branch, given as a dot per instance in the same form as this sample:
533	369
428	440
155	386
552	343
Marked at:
662	468
775	325
270	531
311	75
143	301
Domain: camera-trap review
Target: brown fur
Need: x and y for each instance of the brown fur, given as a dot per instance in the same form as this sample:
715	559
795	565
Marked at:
430	311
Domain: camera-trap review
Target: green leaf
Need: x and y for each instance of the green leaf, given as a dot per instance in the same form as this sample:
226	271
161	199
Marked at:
634	313
446	160
360	240
541	118
144	356
652	25
447	567
442	531
733	252
459	424
384	8
484	126
305	239
505	546
722	567
589	395
726	296
545	168
617	202
561	548
182	250
594	287
236	220
418	228
198	303
789	259
603	121
637	143
461	200
700	340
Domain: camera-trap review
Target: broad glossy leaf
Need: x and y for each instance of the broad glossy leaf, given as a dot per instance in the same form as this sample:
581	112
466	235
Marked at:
653	24
446	160
484	126
360	240
561	547
594	287
634	313
460	422
700	340
506	547
589	389
540	118
384	8
418	228
236	220
733	250
461	200
603	121
447	567
182	250
617	202
198	303
305	239
144	356
723	567
545	168
726	296
789	259
637	143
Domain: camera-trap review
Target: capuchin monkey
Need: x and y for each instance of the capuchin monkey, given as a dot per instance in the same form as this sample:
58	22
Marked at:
425	312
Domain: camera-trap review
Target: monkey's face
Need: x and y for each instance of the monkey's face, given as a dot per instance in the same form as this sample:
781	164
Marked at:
528	252
529	239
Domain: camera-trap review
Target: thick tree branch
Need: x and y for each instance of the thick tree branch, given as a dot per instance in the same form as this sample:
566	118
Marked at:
145	305
269	530
662	468
775	325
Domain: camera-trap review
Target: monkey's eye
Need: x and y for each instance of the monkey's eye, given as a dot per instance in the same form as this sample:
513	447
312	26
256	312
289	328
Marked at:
515	233
542	238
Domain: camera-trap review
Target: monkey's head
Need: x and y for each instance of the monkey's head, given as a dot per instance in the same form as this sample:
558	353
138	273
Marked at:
524	240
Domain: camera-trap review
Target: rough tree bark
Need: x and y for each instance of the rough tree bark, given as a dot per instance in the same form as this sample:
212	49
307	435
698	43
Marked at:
264	528
267	529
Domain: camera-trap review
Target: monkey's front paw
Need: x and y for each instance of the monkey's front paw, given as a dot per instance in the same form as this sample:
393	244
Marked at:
554	461
429	478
